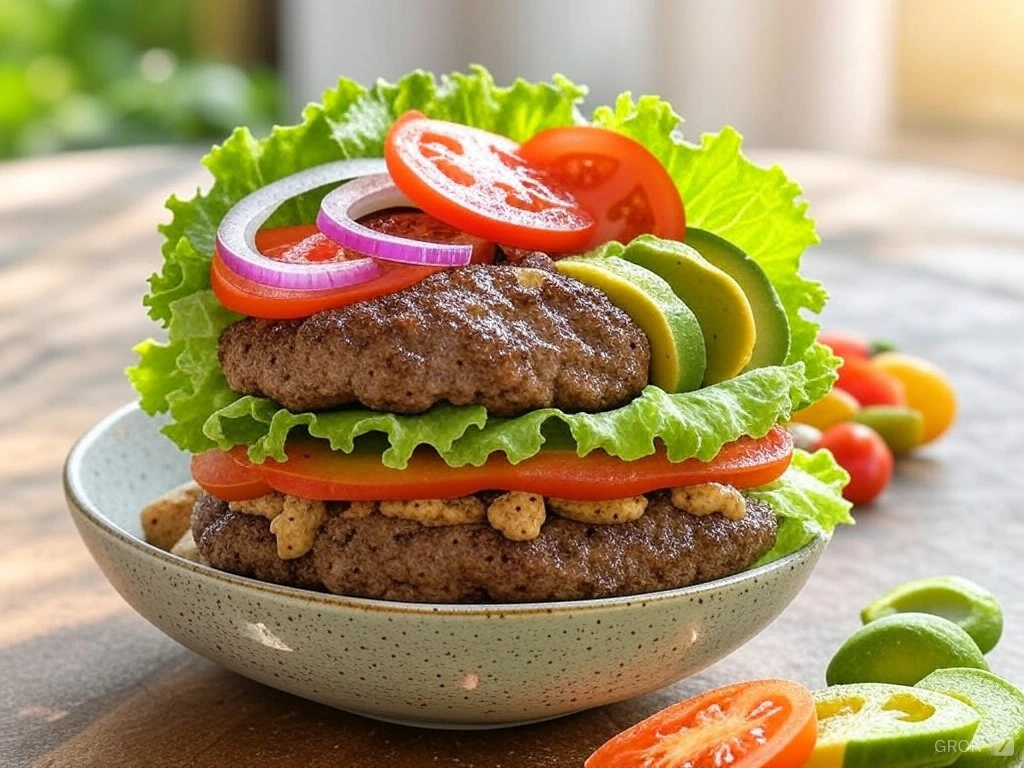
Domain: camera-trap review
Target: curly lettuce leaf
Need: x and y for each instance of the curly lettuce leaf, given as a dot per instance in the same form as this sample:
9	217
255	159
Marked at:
756	208
694	424
808	501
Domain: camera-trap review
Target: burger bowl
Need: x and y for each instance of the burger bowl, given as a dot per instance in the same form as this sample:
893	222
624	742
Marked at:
429	665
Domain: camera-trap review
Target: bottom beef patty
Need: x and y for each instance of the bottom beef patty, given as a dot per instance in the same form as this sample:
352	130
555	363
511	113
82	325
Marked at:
393	559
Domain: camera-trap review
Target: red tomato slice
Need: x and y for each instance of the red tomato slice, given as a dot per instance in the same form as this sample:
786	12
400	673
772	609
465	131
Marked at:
614	178
301	244
306	244
220	475
313	471
248	297
760	724
476	181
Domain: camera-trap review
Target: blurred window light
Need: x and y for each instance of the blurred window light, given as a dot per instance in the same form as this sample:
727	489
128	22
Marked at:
961	65
157	65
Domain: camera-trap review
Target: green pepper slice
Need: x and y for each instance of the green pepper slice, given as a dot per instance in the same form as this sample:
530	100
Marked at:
871	725
999	740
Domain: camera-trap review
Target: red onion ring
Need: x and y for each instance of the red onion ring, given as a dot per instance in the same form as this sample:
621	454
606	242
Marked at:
236	235
340	209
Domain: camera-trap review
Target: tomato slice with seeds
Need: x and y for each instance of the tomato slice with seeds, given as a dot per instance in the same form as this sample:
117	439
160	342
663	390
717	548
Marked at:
476	181
314	471
247	297
306	244
615	179
760	724
221	476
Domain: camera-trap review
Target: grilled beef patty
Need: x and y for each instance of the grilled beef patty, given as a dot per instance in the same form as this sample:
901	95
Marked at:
510	338
388	558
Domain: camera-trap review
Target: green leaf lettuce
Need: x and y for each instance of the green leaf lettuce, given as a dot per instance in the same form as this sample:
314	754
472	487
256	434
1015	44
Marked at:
808	501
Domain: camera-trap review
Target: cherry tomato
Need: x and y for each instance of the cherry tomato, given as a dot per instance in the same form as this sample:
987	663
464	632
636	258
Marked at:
476	181
869	384
928	390
615	179
863	453
846	345
313	471
760	724
221	476
305	244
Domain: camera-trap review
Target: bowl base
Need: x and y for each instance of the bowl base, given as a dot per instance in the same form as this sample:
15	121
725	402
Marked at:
440	725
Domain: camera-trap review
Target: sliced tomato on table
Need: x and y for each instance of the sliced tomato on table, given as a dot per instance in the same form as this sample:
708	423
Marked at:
760	724
313	471
305	244
615	179
476	181
220	475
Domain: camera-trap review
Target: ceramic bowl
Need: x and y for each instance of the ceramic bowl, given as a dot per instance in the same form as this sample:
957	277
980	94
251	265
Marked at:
455	666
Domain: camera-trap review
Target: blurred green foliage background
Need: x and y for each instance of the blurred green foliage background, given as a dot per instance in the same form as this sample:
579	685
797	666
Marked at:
89	73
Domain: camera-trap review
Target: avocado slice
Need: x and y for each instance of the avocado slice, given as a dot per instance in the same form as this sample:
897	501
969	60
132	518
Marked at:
715	298
771	346
678	357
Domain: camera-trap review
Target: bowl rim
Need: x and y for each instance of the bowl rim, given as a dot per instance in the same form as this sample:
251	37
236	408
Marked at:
78	500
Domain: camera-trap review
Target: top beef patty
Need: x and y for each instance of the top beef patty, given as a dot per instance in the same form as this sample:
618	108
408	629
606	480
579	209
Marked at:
510	338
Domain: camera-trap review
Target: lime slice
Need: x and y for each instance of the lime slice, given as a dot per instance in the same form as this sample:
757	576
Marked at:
1000	735
903	649
888	726
962	601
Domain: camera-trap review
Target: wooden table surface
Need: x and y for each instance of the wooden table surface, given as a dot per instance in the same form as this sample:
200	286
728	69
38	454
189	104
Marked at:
932	259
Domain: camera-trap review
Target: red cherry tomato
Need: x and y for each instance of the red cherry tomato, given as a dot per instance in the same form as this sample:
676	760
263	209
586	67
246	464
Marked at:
869	384
614	178
863	453
476	181
846	345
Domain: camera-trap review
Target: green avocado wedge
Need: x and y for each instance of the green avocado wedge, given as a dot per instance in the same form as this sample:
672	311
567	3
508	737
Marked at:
955	598
678	356
716	299
1000	736
874	725
771	346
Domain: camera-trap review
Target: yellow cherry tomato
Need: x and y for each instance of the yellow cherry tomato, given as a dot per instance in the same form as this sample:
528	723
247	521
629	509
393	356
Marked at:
928	390
834	408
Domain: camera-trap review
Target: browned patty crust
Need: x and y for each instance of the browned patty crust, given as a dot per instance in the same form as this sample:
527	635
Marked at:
510	338
393	559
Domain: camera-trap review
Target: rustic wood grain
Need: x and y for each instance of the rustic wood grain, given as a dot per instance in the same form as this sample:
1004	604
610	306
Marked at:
932	259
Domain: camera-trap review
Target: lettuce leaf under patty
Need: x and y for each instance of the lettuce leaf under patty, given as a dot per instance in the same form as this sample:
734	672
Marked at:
758	209
808	501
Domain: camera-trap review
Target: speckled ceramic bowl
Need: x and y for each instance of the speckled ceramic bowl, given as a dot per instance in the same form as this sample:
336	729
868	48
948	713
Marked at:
449	666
